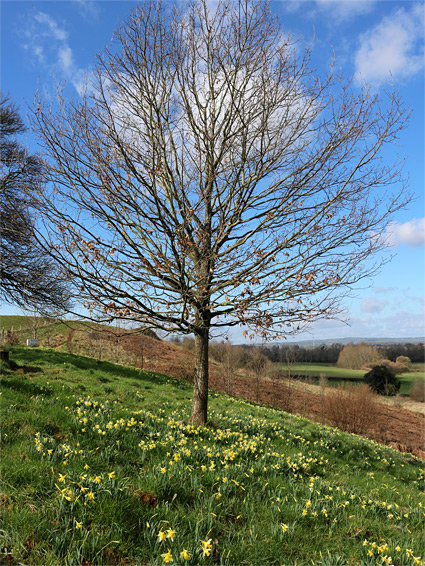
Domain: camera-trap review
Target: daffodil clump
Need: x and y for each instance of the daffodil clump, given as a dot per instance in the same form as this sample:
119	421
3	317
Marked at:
228	471
85	488
382	553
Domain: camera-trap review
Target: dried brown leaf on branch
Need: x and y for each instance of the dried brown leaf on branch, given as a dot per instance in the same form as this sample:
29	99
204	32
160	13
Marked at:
241	187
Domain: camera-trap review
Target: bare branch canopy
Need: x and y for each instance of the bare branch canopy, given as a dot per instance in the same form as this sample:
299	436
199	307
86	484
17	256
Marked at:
208	178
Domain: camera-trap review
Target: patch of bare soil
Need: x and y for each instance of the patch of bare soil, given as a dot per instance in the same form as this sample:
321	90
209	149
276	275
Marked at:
397	423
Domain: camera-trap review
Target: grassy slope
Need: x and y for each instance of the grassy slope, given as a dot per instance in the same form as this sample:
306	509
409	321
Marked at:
24	327
45	330
55	334
98	461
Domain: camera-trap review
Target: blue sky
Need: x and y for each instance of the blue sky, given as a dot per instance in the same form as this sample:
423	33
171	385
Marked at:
47	40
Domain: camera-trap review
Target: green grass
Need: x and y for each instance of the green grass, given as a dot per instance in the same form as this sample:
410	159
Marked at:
25	327
99	464
327	369
332	371
12	322
417	372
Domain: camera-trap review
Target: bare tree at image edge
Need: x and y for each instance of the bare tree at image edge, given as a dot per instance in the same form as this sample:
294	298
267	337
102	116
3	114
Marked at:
207	178
28	276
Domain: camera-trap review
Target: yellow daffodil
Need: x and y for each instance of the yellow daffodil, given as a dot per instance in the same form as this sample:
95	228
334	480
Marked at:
161	536
206	546
184	554
68	495
171	534
78	525
284	527
167	557
90	496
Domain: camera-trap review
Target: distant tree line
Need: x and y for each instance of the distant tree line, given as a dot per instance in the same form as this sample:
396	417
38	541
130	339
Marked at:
416	352
329	354
320	354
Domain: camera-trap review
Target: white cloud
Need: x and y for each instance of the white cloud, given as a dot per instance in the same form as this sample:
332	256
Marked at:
65	59
88	9
339	9
393	47
212	6
46	40
291	6
385	289
400	324
345	9
411	233
51	28
373	305
38	52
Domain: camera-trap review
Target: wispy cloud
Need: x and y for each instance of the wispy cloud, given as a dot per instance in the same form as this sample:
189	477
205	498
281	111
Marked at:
88	8
46	40
398	324
49	27
385	289
373	305
394	47
410	233
345	9
340	10
66	59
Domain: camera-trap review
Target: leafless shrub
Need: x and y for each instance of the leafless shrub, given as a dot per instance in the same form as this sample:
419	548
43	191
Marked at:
11	338
323	380
351	408
185	370
323	383
405	362
189	343
69	344
417	391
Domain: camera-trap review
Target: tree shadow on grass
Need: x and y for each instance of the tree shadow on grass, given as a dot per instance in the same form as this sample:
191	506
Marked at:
53	357
25	386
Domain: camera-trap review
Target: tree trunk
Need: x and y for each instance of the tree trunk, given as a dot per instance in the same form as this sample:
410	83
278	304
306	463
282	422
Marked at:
200	385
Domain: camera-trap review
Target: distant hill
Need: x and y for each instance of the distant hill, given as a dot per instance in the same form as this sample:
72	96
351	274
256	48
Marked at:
350	340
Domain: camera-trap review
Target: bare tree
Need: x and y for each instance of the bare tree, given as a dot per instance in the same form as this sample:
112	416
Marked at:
207	178
357	356
28	275
230	357
257	365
